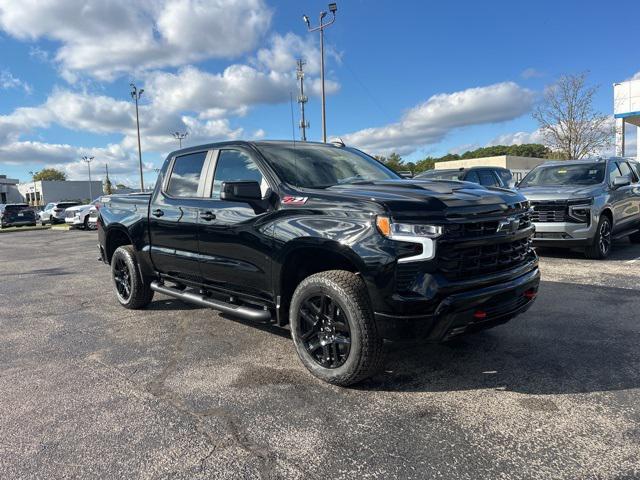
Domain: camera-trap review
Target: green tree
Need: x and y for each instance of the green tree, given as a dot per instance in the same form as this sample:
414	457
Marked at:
108	188
393	161
120	186
50	174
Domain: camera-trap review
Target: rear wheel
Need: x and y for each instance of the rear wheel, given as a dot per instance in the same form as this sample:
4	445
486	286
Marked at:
131	289
601	246
333	328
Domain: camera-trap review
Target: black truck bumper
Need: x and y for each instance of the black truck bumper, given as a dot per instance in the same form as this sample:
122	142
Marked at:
465	312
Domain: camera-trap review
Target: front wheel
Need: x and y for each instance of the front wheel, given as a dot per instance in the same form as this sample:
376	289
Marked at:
333	328
601	246
130	287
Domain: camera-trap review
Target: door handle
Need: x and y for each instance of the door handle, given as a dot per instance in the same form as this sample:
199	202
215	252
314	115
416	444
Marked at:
157	213
208	216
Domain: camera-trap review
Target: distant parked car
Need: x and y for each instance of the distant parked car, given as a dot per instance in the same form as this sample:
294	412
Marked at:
485	176
78	216
16	215
584	203
54	212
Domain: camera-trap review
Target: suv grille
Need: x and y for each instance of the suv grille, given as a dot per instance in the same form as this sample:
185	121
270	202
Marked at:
550	211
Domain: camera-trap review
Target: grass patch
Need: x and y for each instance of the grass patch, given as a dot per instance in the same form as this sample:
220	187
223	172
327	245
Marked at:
24	229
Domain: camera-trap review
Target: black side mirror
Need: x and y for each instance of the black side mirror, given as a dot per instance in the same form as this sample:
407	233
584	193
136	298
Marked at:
621	182
245	191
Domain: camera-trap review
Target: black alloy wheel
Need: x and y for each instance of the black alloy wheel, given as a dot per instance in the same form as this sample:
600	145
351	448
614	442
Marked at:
122	279
325	331
600	248
604	240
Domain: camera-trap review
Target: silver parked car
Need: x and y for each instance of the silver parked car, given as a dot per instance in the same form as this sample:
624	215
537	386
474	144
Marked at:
584	203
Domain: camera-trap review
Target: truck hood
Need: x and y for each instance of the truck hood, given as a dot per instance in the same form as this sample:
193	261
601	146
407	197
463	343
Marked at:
77	208
418	198
560	192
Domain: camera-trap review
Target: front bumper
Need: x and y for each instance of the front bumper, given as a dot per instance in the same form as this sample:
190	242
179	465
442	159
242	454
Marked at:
564	234
465	312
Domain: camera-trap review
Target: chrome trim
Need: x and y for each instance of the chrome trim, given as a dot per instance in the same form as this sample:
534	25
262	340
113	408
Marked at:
428	247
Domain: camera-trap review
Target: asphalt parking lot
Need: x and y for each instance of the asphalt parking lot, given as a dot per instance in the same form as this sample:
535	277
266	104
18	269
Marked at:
89	389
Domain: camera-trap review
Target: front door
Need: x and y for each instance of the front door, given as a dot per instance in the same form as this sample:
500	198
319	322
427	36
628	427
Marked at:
234	249
173	217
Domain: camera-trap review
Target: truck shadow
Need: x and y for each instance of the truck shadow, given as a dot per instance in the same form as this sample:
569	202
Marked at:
622	250
575	339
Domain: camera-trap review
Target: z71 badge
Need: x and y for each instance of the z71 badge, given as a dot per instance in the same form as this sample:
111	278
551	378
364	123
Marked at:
291	200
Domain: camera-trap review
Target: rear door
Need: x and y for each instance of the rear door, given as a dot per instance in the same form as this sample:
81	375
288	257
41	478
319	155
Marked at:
173	217
235	253
631	194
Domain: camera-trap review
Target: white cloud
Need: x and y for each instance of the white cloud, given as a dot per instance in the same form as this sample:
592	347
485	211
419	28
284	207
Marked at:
429	122
7	81
528	73
108	39
517	138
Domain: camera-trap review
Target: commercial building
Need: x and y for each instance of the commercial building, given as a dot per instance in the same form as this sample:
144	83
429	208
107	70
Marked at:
520	166
9	191
42	192
626	110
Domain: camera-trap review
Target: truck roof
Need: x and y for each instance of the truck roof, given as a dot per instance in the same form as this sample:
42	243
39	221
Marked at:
254	143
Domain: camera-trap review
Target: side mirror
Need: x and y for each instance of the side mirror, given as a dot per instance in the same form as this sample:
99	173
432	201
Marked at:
245	191
621	182
405	174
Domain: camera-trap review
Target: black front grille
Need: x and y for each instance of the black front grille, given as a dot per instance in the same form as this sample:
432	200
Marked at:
550	211
457	262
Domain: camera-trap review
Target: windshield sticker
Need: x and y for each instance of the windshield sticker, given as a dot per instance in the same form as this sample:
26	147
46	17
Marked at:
291	200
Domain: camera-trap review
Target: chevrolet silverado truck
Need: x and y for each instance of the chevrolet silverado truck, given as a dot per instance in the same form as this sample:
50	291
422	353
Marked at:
326	241
584	204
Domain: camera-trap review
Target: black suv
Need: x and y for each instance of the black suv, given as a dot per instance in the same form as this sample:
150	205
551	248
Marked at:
16	215
326	240
485	176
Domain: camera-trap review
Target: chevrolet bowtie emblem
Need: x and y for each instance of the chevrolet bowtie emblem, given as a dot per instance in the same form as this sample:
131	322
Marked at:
509	225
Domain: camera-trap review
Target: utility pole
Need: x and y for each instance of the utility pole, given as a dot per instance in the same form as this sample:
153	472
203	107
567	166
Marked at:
136	94
180	136
302	99
333	8
88	160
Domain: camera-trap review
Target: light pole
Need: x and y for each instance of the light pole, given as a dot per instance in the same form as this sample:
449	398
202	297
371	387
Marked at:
136	94
88	160
333	8
180	136
35	190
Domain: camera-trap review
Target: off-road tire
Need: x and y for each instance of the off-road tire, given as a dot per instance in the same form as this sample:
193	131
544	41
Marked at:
140	293
349	292
595	251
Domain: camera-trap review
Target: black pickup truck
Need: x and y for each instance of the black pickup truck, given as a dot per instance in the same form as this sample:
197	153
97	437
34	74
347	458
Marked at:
326	240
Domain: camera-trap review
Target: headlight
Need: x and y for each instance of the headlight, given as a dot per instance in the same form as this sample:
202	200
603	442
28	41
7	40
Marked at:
580	209
395	230
424	235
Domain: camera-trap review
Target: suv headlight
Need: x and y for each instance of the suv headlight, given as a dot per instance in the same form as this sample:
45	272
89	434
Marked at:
580	209
422	234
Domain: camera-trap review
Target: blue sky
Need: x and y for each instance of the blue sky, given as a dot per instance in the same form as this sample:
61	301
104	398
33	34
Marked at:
416	77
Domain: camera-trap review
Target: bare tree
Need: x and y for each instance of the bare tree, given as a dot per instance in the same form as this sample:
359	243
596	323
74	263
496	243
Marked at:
570	125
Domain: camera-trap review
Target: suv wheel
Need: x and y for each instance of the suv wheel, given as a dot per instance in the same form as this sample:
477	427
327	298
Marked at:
602	241
130	288
333	328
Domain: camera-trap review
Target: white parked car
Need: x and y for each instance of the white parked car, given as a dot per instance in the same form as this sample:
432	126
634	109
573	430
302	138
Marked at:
79	215
54	212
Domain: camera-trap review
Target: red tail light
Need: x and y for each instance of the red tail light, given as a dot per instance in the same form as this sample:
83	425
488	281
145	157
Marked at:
530	294
480	314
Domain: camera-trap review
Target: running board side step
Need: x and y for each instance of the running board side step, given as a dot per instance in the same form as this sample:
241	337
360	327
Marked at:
626	233
237	310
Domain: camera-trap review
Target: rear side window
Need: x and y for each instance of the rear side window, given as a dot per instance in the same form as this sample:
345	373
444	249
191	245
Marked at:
235	166
16	208
67	204
185	176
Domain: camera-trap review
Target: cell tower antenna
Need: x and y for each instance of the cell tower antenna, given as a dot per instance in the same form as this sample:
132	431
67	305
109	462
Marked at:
302	99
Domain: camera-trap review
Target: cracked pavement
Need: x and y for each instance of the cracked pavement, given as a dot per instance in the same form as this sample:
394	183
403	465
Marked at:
89	389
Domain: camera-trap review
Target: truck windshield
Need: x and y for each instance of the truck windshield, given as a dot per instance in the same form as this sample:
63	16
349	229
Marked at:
323	166
576	174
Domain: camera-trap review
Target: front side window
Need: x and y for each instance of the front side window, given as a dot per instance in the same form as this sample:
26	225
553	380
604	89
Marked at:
613	172
626	171
185	176
235	166
472	176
